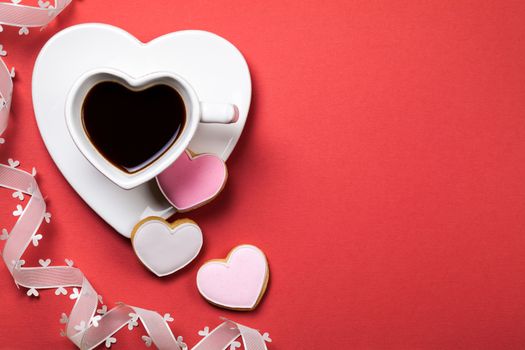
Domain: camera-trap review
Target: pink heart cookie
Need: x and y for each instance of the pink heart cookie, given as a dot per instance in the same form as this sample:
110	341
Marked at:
237	282
192	181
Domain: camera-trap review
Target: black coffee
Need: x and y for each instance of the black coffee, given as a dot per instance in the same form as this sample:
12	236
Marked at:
131	129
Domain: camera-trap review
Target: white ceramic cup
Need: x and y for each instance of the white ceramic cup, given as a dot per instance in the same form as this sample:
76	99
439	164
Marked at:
196	111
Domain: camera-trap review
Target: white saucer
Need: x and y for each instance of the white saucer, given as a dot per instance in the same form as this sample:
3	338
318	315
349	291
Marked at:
213	66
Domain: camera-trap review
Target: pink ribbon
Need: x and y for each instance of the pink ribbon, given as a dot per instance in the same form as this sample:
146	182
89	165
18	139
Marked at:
22	16
85	326
29	16
6	88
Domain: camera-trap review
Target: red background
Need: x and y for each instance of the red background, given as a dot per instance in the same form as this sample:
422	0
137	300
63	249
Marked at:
381	170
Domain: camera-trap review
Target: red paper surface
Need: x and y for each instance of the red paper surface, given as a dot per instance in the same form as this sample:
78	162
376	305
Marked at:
382	171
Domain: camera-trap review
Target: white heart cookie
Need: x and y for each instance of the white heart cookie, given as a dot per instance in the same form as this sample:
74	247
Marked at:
165	247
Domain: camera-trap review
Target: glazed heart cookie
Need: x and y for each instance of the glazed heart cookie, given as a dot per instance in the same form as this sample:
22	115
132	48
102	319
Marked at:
193	180
165	247
237	282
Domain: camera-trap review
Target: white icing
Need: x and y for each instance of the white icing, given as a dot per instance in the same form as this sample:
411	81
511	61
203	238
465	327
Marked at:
163	249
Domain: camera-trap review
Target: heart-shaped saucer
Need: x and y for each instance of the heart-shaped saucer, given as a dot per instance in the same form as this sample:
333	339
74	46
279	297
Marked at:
165	247
192	181
214	67
237	282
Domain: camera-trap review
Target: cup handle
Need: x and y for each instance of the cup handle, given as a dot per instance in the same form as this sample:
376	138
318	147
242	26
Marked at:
223	113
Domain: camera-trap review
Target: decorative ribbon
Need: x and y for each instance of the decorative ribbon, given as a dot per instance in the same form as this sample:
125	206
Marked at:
87	326
6	89
15	14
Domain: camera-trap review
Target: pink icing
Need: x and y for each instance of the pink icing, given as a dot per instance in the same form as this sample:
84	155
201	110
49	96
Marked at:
239	282
190	182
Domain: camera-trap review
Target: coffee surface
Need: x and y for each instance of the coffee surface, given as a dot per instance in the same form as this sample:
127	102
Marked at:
131	129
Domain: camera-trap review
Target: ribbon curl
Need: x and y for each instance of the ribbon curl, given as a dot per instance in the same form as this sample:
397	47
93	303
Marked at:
6	89
18	15
15	14
86	326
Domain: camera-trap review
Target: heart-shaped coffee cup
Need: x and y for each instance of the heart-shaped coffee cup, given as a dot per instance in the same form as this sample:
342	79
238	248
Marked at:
101	157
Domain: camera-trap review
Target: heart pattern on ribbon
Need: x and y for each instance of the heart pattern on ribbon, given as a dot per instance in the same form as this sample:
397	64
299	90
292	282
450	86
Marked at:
165	247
